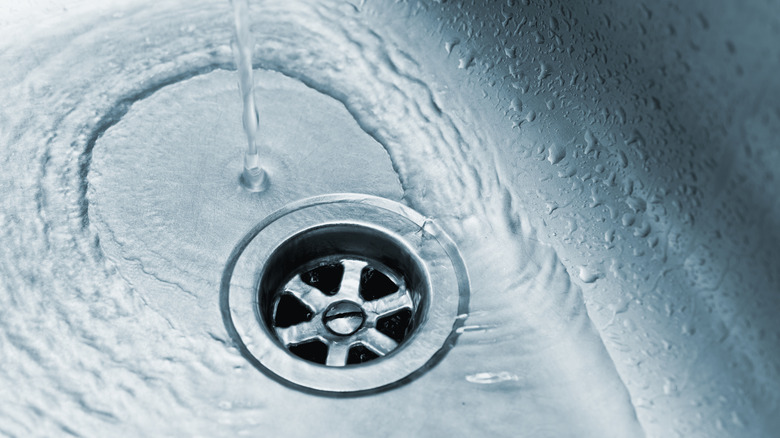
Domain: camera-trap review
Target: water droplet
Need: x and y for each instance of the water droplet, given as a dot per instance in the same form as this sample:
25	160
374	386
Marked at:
670	388
516	104
589	276
620	113
590	141
544	71
642	230
555	154
622	159
449	45
491	378
636	204
466	61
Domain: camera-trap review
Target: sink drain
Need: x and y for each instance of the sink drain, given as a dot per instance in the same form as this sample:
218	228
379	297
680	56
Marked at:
344	294
356	295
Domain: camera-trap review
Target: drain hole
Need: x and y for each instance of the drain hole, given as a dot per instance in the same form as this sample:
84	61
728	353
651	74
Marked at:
375	285
291	311
313	351
342	294
359	354
326	278
395	326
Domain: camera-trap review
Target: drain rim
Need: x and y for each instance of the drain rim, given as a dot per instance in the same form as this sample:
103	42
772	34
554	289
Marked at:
447	284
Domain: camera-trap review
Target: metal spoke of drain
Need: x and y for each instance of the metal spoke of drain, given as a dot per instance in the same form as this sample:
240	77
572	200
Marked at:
388	304
377	341
337	354
299	333
346	319
308	295
350	282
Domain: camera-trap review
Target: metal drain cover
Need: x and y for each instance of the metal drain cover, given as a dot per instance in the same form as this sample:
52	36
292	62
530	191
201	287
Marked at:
344	294
342	310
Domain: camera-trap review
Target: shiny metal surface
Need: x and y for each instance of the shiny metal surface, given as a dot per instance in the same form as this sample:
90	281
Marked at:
345	318
607	168
420	259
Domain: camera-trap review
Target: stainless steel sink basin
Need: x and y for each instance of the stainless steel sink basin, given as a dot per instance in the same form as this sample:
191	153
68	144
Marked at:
608	171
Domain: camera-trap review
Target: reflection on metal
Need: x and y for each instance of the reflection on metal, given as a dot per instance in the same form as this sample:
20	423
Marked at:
344	294
341	302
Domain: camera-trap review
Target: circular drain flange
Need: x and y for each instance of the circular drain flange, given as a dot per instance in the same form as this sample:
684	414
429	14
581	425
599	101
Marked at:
344	294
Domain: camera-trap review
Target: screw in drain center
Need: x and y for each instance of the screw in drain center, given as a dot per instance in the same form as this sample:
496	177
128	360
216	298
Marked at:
343	318
344	294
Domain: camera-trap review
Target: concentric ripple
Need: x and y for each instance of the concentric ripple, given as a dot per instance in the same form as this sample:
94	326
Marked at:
108	307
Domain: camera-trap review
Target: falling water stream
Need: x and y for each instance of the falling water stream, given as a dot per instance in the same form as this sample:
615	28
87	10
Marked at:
121	142
253	176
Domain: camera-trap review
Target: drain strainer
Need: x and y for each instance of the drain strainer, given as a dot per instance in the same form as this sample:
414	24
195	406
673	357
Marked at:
344	294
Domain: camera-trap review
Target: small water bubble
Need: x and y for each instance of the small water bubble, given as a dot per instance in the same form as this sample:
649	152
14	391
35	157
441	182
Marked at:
492	378
637	204
473	329
519	86
609	181
596	199
516	104
621	306
620	113
670	387
628	187
643	230
567	172
553	23
556	153
622	159
449	45
589	275
544	71
466	61
590	141
736	419
705	24
652	242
